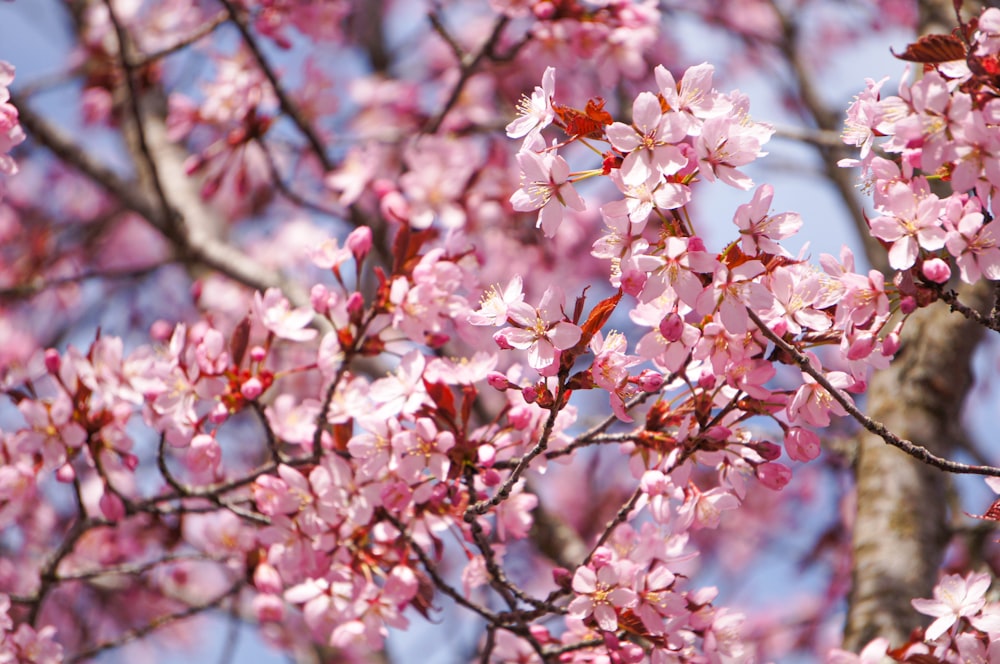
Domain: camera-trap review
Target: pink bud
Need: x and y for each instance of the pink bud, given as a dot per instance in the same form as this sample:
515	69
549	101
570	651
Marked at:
112	506
602	556
541	633
908	304
936	270
359	242
487	454
767	450
774	475
861	347
251	388
501	340
130	460
319	298
52	360
491	477
395	208
562	577
161	330
544	10
890	345
66	473
650	381
530	393
801	444
631	653
695	243
219	414
497	381
257	354
719	433
355	303
706	380
672	327
266	579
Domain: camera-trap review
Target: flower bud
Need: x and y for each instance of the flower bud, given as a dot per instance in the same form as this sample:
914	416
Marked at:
111	506
251	388
266	579
767	450
355	304
501	340
890	345
319	298
774	475
672	327
66	473
802	444
497	381
936	270
359	242
650	381
544	10
257	354
908	304
861	347
52	360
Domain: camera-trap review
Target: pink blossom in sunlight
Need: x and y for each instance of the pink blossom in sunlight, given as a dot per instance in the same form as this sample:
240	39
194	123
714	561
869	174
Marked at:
648	141
955	597
536	113
599	594
542	331
545	186
277	315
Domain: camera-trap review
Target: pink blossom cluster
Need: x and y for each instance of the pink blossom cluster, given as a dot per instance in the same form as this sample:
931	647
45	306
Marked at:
24	645
338	463
11	133
942	128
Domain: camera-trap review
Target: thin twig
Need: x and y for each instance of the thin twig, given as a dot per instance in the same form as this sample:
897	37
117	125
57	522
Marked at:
951	297
289	107
155	624
203	31
468	63
877	428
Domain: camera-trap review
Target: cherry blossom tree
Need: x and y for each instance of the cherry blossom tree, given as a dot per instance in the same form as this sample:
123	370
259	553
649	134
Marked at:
371	323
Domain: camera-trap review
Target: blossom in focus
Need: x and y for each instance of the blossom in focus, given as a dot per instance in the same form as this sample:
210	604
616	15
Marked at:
954	598
536	113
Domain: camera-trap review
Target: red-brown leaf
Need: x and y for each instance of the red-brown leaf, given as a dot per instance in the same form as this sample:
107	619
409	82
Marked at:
934	49
992	514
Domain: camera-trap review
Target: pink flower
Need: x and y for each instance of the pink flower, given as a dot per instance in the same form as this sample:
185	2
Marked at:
541	331
759	230
694	99
545	186
954	598
911	221
494	304
802	444
974	246
277	315
723	146
648	141
599	593
536	113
